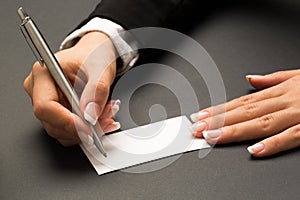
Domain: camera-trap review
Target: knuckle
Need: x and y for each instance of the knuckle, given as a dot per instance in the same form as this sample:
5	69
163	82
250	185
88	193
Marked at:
250	109
245	100
39	109
36	66
102	88
68	125
233	133
296	133
266	122
275	142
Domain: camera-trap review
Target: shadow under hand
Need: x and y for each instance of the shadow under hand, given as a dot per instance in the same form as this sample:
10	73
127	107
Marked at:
65	159
287	153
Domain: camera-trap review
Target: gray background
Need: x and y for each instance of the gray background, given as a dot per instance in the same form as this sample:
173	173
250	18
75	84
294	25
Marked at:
259	38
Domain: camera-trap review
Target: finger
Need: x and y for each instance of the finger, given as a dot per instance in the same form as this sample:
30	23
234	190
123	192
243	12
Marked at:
261	82
109	125
242	114
111	109
46	97
100	74
81	132
246	100
57	116
286	140
45	102
107	110
94	96
112	127
57	133
255	97
114	109
264	126
106	121
43	84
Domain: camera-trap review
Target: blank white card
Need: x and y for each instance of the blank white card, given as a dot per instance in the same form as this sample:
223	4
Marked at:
143	144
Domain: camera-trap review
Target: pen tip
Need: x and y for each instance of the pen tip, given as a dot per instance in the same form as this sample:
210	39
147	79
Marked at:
105	155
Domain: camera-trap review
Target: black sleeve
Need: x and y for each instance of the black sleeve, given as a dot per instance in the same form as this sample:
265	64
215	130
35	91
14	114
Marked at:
172	14
135	13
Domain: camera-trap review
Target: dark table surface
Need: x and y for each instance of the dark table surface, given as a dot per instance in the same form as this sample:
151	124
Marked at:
245	39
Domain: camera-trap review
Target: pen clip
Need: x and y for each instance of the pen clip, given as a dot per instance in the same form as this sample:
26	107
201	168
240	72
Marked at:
31	45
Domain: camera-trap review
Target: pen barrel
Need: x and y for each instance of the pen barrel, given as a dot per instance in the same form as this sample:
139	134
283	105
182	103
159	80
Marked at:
52	65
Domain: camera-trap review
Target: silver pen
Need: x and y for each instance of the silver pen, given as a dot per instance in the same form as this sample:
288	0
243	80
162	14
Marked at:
45	57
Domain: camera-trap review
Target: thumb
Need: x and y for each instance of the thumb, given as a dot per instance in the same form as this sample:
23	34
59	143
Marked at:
265	81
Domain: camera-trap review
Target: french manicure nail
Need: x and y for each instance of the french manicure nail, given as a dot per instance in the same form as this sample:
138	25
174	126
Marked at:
92	113
87	139
113	127
249	77
117	125
212	134
117	102
198	126
115	107
198	116
256	148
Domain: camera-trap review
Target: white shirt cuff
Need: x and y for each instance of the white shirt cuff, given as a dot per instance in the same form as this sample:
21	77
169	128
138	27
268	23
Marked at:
126	51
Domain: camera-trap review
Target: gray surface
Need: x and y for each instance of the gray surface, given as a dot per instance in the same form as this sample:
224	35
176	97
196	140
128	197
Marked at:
245	40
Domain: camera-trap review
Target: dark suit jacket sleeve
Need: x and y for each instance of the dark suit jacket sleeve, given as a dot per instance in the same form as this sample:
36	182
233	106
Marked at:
135	13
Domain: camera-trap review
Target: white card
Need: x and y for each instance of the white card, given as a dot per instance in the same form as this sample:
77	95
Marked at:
143	144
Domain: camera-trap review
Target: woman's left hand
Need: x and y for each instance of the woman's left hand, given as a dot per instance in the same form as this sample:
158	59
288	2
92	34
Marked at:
272	114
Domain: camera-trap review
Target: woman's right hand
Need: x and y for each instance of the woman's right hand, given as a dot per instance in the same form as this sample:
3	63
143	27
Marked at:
90	64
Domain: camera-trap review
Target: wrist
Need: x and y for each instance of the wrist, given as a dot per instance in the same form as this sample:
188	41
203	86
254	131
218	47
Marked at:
103	29
93	39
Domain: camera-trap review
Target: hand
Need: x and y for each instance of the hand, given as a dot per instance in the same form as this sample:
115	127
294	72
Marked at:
273	114
91	68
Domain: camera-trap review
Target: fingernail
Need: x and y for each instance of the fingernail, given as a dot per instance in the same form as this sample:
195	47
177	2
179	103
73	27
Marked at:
113	127
249	77
199	126
256	148
85	138
92	113
117	102
117	125
198	116
212	134
115	107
